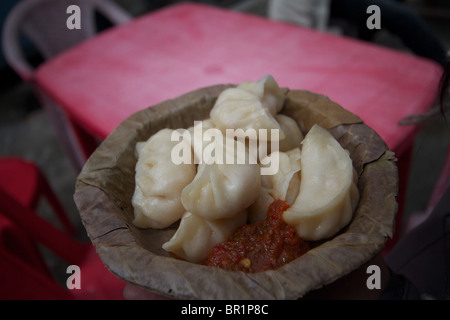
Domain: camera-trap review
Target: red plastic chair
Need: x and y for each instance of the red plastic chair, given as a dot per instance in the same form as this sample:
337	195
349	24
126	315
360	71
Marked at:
32	284
25	274
25	183
12	239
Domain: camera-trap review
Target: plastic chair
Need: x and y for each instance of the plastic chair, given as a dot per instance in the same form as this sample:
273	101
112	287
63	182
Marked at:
25	273
32	284
43	22
12	239
24	182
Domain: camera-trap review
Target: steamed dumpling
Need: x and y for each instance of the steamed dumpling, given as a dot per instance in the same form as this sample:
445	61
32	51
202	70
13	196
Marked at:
293	135
267	91
328	193
198	139
222	190
159	182
196	236
284	185
249	106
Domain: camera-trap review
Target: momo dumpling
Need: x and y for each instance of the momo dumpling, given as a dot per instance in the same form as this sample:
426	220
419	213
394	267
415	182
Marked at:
221	190
284	185
249	106
159	182
328	194
196	236
292	134
238	109
268	92
198	138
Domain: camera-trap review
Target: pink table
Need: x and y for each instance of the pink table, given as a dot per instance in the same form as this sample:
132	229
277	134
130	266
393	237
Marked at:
181	48
166	53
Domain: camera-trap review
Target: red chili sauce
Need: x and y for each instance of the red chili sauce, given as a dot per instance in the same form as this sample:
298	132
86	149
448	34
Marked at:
265	245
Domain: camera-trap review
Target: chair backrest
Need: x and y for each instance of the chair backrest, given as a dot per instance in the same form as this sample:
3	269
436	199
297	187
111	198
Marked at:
26	274
41	231
23	281
44	23
20	260
13	240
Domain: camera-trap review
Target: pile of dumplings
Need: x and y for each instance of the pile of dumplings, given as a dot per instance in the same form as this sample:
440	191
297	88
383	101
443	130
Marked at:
212	200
